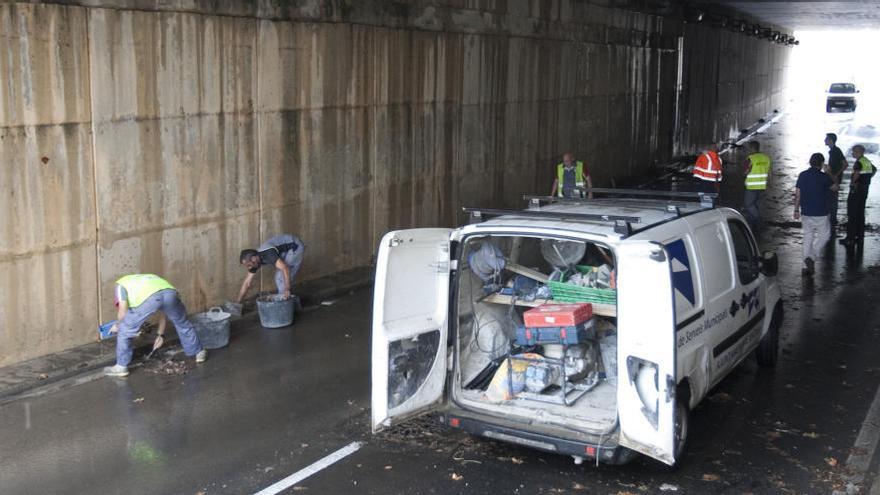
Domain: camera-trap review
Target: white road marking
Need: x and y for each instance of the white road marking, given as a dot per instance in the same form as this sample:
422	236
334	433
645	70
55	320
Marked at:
312	469
859	460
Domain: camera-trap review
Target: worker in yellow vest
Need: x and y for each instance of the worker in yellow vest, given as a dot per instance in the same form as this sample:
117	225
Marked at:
137	297
757	175
860	182
571	177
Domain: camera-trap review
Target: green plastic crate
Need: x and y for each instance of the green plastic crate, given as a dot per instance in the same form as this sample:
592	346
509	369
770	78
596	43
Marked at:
562	292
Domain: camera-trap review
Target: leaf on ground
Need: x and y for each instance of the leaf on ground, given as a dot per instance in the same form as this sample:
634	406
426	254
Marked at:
577	486
831	461
138	400
773	434
811	434
388	468
457	477
300	488
42	376
720	397
667	487
517	460
711	477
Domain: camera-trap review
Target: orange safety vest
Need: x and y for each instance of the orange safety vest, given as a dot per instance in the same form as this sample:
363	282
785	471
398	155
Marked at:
708	167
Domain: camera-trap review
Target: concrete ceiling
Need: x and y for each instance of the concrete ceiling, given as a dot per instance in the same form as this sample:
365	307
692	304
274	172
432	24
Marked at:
810	15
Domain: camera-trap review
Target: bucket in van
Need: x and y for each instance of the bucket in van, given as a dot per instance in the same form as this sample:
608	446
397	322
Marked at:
275	311
212	327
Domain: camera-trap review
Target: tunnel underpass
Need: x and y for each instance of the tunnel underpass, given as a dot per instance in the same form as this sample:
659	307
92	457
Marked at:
167	137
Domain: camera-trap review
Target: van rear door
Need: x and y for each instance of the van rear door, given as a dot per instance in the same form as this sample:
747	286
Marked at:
646	350
410	319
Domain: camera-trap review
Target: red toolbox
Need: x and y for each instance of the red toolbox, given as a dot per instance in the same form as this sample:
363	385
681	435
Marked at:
558	315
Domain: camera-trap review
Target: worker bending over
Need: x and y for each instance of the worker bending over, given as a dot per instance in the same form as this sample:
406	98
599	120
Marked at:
284	252
571	177
137	297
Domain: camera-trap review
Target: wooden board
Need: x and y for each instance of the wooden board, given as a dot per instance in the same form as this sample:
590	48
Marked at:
527	272
598	309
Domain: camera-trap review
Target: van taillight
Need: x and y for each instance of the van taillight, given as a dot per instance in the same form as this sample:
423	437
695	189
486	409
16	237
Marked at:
591	451
454	422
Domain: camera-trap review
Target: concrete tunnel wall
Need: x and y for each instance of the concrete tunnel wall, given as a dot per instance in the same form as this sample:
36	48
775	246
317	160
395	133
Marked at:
143	136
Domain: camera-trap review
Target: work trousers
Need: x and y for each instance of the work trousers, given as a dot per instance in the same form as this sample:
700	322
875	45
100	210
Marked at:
833	200
706	186
293	259
855	213
817	230
168	302
752	207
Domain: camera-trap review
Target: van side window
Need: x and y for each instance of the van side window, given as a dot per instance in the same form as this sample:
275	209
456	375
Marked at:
746	253
715	259
685	283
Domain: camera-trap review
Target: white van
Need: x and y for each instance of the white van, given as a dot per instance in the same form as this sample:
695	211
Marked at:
688	298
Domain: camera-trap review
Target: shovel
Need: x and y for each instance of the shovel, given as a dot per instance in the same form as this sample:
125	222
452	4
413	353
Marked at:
156	345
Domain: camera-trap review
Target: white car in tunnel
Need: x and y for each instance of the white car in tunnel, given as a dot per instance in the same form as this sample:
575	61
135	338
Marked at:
694	298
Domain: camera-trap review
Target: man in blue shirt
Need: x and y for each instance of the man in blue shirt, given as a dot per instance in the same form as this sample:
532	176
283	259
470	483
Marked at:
811	207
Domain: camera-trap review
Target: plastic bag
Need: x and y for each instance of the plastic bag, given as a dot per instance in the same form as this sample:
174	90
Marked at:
501	387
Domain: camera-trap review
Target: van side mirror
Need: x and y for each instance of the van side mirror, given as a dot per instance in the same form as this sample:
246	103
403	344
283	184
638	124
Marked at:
769	264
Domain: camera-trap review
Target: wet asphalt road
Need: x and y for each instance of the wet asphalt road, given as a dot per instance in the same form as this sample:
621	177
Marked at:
275	401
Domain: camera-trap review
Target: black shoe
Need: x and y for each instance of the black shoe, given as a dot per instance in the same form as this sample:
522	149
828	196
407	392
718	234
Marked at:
810	266
846	241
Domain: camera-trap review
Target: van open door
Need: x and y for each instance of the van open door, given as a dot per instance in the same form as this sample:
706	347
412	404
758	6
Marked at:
646	350
410	319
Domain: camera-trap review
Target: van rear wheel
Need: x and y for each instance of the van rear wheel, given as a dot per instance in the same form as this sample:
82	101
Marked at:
767	351
682	427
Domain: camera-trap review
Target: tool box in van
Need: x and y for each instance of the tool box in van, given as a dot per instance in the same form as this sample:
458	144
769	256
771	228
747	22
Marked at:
678	295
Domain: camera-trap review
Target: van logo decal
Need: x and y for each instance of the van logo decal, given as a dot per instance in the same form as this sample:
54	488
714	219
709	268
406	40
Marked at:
681	270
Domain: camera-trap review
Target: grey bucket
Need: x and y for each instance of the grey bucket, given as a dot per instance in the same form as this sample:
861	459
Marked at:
275	312
212	327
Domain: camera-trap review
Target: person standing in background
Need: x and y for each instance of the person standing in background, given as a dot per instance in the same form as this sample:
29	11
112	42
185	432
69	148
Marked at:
571	177
757	176
836	165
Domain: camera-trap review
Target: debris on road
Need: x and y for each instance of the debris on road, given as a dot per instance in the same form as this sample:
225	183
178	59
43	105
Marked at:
666	487
166	367
138	400
457	477
711	477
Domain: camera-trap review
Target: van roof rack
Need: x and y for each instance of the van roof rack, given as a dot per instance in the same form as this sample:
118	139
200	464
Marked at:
652	200
706	200
622	223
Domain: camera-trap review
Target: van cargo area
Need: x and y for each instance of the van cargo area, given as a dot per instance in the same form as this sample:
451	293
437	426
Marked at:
528	347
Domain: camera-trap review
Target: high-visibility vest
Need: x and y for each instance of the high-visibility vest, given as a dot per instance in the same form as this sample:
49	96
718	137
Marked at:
141	286
757	178
578	176
867	168
708	167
